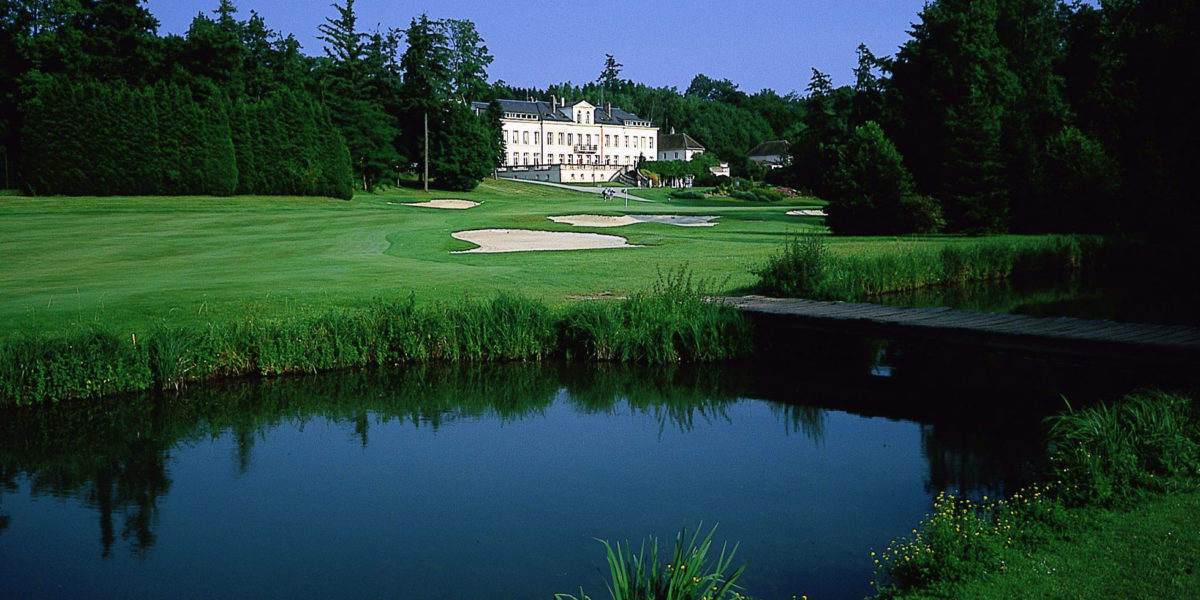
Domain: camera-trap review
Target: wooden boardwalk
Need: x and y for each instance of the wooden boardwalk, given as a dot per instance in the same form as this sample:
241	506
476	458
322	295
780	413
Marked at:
1094	338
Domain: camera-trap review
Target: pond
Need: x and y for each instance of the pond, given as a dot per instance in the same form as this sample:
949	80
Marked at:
496	481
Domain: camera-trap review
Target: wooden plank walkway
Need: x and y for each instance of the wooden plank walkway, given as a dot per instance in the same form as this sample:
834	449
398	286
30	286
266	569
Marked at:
1095	338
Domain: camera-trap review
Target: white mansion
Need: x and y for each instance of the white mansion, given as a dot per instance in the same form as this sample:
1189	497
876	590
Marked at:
566	143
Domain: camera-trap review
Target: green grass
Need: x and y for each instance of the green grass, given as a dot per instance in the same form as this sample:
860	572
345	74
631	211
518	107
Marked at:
128	264
1150	552
1117	520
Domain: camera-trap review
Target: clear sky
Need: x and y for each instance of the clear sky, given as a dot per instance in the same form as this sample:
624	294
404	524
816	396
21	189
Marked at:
756	44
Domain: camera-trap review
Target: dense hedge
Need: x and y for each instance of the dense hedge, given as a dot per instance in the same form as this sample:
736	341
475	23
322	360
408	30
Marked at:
104	139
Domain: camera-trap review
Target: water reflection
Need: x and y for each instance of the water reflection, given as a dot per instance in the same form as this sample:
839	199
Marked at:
113	456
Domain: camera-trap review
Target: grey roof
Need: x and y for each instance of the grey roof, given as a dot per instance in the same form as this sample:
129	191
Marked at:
678	140
541	110
771	148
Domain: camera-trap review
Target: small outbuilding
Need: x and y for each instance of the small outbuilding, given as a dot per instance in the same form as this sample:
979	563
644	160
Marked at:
773	154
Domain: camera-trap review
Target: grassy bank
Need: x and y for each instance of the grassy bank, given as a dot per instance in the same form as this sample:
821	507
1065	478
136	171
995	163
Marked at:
810	266
1116	518
671	322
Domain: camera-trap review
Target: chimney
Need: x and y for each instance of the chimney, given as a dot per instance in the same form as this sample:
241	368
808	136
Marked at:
531	98
553	103
608	109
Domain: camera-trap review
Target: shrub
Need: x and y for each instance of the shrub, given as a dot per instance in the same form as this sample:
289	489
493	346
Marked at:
799	270
960	539
1109	455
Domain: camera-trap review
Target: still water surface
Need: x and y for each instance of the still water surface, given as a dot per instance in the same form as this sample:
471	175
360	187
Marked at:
482	482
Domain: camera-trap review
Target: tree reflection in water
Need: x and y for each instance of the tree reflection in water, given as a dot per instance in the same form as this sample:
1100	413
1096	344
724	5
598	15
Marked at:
113	455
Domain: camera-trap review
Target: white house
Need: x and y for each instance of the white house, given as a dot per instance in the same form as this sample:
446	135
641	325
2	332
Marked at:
773	154
678	146
571	142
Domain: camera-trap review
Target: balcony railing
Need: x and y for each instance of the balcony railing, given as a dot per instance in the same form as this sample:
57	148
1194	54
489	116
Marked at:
585	149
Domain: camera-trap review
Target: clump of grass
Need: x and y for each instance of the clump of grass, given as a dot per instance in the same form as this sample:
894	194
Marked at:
689	574
799	270
1111	454
674	321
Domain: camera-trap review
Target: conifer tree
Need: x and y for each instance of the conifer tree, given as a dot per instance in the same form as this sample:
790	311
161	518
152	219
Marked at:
355	62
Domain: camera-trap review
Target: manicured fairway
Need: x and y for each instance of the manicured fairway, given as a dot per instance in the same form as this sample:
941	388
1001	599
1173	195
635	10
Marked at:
130	263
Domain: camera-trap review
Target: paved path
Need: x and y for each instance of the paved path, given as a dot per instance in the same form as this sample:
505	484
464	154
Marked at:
1056	335
578	188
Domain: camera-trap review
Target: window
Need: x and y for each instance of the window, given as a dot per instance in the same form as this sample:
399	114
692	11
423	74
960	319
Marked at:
589	139
569	139
560	138
588	117
525	160
606	140
652	142
516	137
676	155
536	159
536	135
626	143
562	158
515	158
526	136
578	116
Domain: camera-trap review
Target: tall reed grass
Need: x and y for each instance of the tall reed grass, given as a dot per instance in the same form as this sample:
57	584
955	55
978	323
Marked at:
1109	455
670	323
808	267
689	574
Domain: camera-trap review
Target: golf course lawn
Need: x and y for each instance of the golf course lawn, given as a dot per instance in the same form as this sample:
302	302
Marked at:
130	263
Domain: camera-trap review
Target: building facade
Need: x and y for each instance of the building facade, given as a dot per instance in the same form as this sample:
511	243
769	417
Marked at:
585	142
678	146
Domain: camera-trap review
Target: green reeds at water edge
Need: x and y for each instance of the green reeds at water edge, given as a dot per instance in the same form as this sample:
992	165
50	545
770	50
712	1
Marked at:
673	322
809	267
1111	455
689	575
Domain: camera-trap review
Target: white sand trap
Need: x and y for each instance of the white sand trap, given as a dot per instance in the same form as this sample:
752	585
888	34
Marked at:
526	240
603	221
807	212
444	203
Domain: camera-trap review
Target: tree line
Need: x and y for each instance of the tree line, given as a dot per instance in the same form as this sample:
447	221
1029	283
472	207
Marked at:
93	101
1012	116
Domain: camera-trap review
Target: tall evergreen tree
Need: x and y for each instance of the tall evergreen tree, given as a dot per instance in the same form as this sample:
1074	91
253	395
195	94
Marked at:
952	85
426	87
349	82
610	72
468	60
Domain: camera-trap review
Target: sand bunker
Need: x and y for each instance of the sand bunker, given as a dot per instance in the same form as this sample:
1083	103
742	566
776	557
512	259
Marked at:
807	212
450	203
602	221
526	240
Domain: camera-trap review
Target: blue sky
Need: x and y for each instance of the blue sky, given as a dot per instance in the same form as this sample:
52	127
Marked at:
756	44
